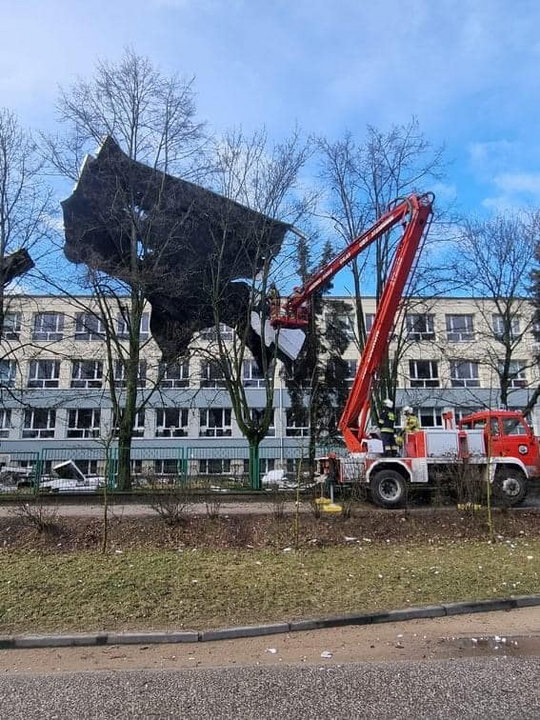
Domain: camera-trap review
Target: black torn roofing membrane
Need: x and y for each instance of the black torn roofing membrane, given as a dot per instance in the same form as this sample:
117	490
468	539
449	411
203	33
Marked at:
14	265
184	229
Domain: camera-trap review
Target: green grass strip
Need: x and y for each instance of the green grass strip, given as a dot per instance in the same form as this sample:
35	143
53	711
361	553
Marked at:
206	588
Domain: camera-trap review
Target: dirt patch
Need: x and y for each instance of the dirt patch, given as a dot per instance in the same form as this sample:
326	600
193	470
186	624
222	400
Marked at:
263	531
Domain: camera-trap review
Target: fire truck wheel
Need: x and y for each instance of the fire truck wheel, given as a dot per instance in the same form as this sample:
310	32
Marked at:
509	486
388	489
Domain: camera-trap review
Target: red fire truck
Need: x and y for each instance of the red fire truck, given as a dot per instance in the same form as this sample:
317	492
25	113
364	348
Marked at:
500	442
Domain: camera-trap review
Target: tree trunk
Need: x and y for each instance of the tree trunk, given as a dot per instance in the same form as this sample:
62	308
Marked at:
124	457
254	464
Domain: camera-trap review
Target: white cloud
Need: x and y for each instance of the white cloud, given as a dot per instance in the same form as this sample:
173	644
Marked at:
514	191
519	183
487	158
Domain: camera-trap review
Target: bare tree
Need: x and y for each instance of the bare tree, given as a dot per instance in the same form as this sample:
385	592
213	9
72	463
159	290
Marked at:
361	179
148	118
264	178
496	258
26	219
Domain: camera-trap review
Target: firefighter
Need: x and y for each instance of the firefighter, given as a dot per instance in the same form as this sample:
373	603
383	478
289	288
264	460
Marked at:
274	301
387	423
411	423
331	470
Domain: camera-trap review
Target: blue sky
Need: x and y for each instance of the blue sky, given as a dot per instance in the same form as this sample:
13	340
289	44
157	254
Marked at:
467	69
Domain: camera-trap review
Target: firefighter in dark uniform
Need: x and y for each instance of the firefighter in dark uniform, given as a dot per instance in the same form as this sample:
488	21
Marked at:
387	422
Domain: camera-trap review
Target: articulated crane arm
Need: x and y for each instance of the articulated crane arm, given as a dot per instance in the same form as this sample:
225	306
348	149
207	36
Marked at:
413	212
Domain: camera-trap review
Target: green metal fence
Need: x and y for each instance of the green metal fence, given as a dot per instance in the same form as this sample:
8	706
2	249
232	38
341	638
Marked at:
226	466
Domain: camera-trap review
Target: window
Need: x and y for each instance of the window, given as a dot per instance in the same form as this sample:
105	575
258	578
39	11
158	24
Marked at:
504	329
8	373
83	423
212	375
89	327
347	325
424	373
517	377
120	374
225	332
138	426
168	466
352	366
87	467
257	413
251	375
87	374
215	422
39	423
430	417
171	422
12	326
459	328
215	466
123	326
174	375
48	326
297	423
44	374
420	327
512	426
461	412
265	465
5	422
370	319
464	373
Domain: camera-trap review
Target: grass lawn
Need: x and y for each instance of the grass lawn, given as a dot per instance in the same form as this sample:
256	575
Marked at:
165	589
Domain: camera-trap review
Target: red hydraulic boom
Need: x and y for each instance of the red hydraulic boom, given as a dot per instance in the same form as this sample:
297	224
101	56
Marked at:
413	212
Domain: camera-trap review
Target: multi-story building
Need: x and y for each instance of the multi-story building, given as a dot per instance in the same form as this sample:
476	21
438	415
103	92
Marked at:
56	399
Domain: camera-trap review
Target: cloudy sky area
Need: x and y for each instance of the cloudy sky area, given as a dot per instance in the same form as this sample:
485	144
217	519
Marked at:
467	69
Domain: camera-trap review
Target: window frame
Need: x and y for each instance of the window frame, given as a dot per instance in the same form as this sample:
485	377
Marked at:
78	430
171	430
454	335
31	431
431	380
209	427
50	335
34	381
471	381
12	331
175	381
83	331
86	382
413	321
11	375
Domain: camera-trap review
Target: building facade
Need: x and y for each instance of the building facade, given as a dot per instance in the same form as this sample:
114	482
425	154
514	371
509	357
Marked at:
55	400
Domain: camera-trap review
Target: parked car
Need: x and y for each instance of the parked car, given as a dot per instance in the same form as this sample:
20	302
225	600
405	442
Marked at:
15	478
68	478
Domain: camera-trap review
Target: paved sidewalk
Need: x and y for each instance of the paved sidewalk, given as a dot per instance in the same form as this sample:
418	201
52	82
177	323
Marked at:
141	510
435	638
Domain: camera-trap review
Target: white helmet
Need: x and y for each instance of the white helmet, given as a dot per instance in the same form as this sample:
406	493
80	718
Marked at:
388	403
407	410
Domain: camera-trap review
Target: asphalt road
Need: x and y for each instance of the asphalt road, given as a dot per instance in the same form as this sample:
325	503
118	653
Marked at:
503	687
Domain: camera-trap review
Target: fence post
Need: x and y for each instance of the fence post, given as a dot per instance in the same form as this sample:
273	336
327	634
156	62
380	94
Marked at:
39	470
111	462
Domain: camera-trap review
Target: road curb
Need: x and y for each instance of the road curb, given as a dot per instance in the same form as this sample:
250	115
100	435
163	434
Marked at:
10	642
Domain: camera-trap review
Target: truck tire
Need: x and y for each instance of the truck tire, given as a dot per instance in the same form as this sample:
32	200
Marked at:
388	489
509	486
